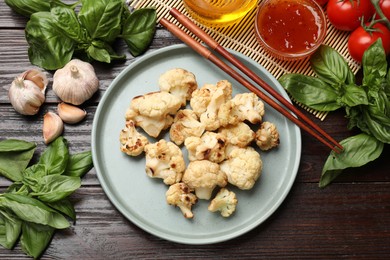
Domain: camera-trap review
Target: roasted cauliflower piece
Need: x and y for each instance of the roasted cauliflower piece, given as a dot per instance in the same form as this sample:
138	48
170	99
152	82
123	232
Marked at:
243	167
178	82
153	111
240	134
203	176
225	202
180	195
210	146
242	107
185	124
267	136
164	160
132	142
207	100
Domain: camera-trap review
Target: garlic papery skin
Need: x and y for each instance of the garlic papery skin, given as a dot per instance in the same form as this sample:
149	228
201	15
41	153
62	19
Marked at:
38	77
52	127
25	96
70	114
76	82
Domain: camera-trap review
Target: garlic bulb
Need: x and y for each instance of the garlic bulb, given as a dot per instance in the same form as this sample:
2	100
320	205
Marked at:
70	114
76	82
27	92
52	127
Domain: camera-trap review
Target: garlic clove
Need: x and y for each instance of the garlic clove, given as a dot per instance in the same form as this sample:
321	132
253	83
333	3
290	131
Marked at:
52	127
76	82
36	76
70	114
25	96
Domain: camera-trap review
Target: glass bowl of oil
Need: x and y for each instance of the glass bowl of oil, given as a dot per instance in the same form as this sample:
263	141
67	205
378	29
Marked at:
290	29
219	12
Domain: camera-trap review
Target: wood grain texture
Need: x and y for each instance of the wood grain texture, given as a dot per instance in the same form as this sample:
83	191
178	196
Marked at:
348	220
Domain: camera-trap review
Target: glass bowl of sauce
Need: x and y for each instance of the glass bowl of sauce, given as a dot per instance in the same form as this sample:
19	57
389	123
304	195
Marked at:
290	29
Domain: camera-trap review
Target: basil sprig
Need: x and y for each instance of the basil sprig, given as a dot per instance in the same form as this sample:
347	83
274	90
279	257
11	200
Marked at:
56	32
36	203
367	105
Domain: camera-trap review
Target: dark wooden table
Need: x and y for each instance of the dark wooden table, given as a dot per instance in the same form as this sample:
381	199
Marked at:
349	219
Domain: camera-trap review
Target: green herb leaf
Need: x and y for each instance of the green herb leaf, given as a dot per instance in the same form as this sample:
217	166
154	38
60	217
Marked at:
374	65
101	18
49	47
56	156
35	238
138	30
79	164
15	156
311	91
10	227
358	150
353	96
331	67
64	206
28	7
33	210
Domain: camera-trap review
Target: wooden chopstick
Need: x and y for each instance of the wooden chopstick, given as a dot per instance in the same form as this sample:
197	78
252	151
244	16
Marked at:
208	40
206	53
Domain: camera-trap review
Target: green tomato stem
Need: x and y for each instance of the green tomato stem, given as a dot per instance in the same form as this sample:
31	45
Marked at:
379	11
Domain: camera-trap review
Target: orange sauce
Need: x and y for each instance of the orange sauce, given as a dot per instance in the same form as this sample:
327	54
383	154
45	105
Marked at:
290	26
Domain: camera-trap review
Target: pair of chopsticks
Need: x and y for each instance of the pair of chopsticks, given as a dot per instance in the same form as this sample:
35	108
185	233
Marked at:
315	130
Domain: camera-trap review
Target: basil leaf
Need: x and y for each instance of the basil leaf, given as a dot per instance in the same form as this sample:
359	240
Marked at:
52	188
64	206
311	91
101	18
79	164
358	150
32	210
49	47
374	65
331	67
28	7
15	155
138	30
10	228
35	238
353	95
56	156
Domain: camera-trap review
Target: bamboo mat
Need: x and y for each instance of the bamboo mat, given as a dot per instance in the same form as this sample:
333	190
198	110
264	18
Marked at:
241	37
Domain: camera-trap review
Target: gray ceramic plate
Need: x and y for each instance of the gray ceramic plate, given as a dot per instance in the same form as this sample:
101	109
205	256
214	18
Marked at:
142	199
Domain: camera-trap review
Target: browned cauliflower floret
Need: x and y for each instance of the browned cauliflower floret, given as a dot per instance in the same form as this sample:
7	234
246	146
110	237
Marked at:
267	137
243	167
243	106
240	134
207	100
185	124
210	146
164	160
153	111
132	142
225	201
204	176
180	195
178	82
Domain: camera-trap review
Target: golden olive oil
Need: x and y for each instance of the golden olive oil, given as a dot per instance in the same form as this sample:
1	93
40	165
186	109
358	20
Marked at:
219	12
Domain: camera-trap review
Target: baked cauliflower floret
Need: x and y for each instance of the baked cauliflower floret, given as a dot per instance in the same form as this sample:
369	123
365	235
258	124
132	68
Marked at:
225	201
185	124
164	160
178	82
240	134
180	195
203	176
243	167
242	107
132	142
153	111
207	100
210	146
267	136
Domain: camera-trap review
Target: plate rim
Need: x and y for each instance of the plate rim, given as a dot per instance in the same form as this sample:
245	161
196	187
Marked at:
151	230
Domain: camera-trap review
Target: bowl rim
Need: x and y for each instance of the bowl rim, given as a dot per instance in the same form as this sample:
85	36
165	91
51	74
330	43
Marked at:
296	55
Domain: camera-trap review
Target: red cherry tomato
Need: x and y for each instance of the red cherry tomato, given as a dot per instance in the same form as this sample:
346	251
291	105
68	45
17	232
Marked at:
321	2
385	7
345	15
360	40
